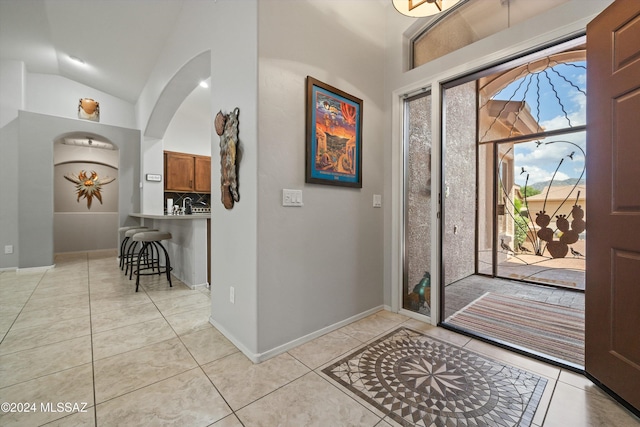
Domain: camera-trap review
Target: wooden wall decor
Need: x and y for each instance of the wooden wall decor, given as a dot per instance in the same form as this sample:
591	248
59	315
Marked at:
227	127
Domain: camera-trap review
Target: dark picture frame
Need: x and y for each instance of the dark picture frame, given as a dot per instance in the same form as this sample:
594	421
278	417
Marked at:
334	136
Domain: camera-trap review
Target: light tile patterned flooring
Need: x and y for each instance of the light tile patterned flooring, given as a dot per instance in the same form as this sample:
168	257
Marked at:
78	333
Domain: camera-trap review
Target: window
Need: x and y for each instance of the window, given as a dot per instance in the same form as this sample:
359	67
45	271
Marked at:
473	20
417	204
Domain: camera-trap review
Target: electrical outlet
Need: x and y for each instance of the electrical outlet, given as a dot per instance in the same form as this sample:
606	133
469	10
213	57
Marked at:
8	249
232	295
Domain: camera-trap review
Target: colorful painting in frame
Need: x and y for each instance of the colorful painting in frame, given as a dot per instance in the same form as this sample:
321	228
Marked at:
334	136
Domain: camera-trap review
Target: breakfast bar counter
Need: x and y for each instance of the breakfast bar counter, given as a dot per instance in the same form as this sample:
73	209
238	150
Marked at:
181	217
189	244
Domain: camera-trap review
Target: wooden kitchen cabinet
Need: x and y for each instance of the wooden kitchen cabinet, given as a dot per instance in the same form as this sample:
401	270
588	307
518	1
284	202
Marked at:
187	173
202	181
179	172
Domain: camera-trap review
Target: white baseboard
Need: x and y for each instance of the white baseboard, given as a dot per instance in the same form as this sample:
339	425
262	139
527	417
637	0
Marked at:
35	269
234	341
204	285
261	357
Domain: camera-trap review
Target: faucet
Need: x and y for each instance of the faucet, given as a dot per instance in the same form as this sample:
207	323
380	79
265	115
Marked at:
186	207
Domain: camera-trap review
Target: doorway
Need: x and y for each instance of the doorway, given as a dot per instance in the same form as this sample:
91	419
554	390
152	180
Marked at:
513	228
611	288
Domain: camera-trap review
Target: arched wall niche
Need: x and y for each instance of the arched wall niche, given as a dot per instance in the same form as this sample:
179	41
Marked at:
86	190
36	136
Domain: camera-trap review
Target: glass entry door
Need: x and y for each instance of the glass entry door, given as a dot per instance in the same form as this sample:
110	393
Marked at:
513	180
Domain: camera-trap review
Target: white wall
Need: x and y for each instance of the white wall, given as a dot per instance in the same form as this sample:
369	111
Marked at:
12	77
152	192
295	271
322	263
190	128
59	96
228	29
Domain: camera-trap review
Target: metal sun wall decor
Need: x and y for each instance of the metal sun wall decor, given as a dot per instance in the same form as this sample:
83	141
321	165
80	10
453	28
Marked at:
334	136
88	185
227	128
88	109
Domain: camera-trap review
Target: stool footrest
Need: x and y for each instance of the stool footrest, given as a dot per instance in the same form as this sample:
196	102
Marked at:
146	253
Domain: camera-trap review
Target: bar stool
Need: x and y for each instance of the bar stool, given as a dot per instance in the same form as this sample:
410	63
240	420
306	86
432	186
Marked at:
152	239
123	244
129	257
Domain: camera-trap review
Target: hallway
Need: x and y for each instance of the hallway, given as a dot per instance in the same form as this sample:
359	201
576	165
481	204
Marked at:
78	333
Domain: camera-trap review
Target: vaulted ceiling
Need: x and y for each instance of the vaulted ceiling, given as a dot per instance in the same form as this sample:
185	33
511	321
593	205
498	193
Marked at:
119	40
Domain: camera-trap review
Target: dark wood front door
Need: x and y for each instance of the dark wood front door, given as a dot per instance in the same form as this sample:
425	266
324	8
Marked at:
613	200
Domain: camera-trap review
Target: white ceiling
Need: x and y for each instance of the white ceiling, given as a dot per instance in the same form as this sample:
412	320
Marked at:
119	40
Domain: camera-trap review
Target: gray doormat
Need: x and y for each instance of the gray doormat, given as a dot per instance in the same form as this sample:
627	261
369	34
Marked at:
419	380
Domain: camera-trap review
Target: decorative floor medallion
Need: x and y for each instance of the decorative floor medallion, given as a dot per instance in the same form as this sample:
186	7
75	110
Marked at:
419	380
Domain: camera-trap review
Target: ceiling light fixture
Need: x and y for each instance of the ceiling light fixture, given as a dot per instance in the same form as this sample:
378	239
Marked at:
422	8
76	60
204	84
88	141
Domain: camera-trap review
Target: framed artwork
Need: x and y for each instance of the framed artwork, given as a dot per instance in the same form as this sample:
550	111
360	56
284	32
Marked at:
334	136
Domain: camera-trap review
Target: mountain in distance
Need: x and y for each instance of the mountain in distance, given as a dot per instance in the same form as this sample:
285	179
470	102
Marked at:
571	181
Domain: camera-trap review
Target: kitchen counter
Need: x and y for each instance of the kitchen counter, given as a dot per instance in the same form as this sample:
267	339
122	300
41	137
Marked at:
178	217
189	244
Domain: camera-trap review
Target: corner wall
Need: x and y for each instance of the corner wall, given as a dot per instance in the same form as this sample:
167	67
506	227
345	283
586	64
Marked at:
12	77
228	30
295	271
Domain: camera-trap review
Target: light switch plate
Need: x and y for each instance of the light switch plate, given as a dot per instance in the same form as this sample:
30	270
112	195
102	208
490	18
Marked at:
377	200
292	198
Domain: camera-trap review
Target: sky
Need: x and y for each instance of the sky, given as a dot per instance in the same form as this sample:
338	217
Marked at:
541	160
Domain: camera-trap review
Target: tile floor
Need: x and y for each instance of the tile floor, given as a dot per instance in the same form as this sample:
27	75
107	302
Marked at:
79	334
